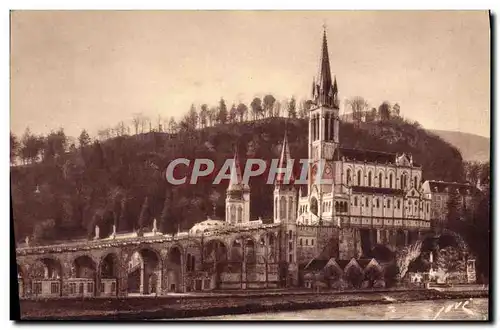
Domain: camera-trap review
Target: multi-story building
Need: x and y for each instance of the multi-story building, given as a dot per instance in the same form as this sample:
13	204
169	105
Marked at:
440	193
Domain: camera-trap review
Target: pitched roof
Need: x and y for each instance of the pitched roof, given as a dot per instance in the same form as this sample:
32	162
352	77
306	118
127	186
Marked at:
442	186
377	190
369	156
316	264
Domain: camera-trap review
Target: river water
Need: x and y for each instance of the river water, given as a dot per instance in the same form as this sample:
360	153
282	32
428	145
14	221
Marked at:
474	309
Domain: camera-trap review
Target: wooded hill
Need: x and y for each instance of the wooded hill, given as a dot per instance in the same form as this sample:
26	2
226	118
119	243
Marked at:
121	180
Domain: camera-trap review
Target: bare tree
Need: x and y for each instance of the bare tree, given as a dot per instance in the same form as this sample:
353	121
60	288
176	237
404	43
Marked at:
358	105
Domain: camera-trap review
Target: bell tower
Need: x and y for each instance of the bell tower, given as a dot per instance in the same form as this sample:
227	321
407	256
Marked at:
237	196
323	127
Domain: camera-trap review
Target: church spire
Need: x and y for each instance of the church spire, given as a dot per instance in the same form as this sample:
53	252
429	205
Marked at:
235	180
282	178
325	90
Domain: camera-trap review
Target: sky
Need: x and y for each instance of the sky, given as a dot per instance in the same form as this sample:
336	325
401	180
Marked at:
91	69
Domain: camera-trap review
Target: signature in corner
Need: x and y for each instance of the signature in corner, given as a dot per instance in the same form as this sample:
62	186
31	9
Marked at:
461	305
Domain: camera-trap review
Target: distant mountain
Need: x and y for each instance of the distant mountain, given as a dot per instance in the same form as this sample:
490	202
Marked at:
472	147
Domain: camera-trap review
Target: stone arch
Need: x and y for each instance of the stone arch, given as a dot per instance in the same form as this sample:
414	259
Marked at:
22	280
84	267
348	176
174	268
108	274
144	271
391	179
381	179
382	253
51	268
46	276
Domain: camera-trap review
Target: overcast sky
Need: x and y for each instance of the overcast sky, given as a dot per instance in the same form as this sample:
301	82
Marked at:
90	70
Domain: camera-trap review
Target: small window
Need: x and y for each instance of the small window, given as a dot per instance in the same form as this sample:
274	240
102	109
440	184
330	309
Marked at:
101	287
113	287
355	201
377	202
307	242
312	242
80	288
389	203
90	287
300	242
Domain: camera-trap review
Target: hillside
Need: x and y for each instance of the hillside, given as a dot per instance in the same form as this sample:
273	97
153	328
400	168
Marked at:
121	179
473	147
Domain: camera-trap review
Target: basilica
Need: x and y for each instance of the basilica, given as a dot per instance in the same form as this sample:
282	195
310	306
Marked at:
371	199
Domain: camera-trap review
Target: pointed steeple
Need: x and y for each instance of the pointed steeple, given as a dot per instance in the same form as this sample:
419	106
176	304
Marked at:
236	181
284	158
326	90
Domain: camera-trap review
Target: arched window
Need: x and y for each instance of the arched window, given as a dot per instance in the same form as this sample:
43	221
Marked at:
348	176
380	177
369	179
390	180
282	207
355	201
415	182
427	207
389	203
359	177
366	201
399	204
290	207
301	242
240	214
233	213
312	242
336	206
307	242
403	181
377	202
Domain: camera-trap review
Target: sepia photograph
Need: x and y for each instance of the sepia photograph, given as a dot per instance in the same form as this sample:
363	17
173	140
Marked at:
197	165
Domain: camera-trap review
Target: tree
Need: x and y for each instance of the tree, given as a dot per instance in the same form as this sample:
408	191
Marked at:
31	146
145	215
203	115
396	110
453	205
354	276
268	105
241	110
405	256
191	119
84	139
167	224
449	260
222	114
137	121
233	114
55	145
277	109
292	111
256	106
172	126
358	105
14	148
384	111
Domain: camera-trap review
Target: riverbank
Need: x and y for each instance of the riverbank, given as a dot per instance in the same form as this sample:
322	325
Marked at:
188	306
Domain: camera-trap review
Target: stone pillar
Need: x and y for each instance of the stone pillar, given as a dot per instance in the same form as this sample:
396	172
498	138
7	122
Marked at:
142	280
378	237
